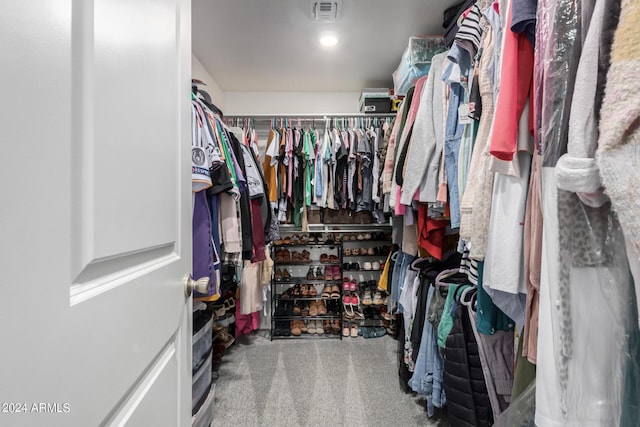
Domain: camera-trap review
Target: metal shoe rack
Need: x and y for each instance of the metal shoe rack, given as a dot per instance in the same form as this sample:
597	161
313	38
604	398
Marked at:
283	302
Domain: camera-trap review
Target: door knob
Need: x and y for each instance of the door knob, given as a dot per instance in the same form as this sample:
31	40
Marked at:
201	285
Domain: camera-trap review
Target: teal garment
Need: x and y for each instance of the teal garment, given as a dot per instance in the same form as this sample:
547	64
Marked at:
490	318
446	323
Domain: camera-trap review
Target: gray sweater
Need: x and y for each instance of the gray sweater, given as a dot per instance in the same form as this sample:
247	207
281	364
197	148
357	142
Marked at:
427	140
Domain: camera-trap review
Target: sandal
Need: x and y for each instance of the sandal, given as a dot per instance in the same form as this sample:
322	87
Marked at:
346	303
335	292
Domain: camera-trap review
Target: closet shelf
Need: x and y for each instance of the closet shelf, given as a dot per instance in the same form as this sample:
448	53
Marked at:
299	317
308	336
302	280
360	256
310	245
307	264
278	297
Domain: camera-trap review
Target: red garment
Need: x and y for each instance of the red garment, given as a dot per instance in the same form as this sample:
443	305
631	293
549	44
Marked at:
257	232
431	233
246	323
515	86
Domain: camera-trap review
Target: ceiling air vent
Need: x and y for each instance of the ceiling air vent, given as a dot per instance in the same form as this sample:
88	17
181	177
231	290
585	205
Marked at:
326	11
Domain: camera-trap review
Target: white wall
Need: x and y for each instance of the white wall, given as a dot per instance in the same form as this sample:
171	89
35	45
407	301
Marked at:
199	72
290	103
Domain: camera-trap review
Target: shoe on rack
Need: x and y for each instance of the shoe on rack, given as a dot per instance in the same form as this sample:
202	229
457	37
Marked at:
326	292
311	327
322	307
277	275
326	326
346	251
285	274
353	285
302	326
346	330
355	300
335	326
313	308
355	251
368	236
375	265
355	266
297	308
371	251
295	329
324	258
304	310
354	331
304	290
377	298
310	275
366	297
333	259
319	327
313	292
360	236
337	274
366	266
335	292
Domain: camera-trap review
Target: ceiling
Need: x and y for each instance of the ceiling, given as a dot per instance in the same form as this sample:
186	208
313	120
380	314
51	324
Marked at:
273	45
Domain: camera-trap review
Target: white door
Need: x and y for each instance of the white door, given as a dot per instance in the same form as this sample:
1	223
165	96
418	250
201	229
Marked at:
95	213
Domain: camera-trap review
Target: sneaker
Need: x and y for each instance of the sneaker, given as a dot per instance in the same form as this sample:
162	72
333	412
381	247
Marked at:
375	265
366	266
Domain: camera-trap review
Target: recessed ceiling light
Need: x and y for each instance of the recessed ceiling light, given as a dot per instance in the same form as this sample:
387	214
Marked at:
328	41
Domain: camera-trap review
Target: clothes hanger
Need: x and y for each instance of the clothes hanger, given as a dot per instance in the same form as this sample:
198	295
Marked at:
463	296
415	265
443	275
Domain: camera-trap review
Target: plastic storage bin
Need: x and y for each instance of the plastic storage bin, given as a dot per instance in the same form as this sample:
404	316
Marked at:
201	384
202	341
416	61
204	416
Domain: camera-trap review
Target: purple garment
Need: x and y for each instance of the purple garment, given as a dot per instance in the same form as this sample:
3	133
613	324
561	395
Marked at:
203	262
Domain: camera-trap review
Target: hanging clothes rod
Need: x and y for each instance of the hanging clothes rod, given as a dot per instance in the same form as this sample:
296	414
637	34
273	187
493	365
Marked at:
308	116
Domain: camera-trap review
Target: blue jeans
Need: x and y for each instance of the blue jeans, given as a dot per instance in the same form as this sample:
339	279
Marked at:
429	370
399	272
453	136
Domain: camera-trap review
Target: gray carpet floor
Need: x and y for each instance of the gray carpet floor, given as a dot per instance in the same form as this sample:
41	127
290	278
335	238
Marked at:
353	382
